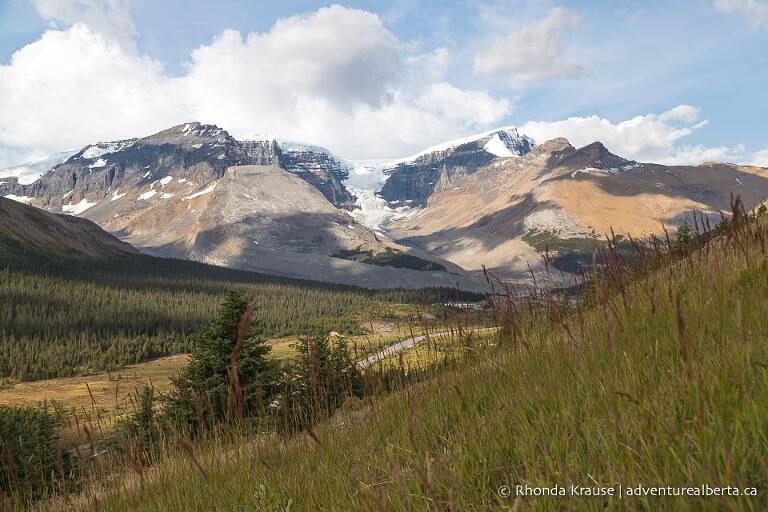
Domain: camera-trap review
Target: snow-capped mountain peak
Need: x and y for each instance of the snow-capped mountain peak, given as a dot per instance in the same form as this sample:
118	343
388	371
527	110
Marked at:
30	172
507	141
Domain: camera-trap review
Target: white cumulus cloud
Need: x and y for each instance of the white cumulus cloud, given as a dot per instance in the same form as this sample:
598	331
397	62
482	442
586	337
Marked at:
754	11
107	17
74	86
469	107
335	77
534	53
648	138
760	158
432	65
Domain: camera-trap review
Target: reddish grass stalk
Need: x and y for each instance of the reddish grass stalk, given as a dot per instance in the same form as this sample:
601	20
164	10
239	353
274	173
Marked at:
184	444
198	414
234	375
681	328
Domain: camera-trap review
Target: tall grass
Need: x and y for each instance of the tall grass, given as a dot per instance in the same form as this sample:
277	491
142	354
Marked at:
652	373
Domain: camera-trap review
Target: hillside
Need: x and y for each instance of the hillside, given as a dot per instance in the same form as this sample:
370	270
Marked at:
25	228
488	214
659	379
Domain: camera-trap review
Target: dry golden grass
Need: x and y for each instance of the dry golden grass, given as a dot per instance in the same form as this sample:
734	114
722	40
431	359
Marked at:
106	396
439	347
112	392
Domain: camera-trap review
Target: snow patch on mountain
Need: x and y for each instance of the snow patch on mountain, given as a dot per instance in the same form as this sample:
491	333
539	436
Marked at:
19	199
206	190
99	149
77	209
609	170
98	163
497	147
147	195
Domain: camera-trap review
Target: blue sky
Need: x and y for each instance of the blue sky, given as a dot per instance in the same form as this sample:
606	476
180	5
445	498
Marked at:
671	81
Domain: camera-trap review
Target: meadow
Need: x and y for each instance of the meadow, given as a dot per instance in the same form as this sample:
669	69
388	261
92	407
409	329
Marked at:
654	374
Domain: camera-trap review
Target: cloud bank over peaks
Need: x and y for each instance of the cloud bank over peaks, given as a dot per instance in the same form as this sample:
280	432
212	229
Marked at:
335	77
647	138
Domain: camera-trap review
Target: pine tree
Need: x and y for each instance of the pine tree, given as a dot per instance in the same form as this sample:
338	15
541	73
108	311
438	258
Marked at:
316	382
722	226
684	236
207	385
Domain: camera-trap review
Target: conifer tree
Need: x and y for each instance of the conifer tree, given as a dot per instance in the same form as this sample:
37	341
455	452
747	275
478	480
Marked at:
207	386
684	236
316	381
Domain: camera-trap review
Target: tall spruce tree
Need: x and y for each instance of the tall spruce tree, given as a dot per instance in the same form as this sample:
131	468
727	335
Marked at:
207	387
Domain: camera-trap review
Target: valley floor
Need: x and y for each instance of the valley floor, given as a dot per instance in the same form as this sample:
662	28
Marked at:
103	398
106	396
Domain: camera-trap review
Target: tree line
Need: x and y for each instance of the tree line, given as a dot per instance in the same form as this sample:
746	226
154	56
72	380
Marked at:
67	315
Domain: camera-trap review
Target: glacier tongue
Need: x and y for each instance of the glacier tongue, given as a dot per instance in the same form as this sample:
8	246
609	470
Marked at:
366	177
375	212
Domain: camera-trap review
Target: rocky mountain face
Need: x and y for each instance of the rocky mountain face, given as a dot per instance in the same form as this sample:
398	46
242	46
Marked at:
318	167
195	192
196	152
25	228
495	200
413	180
315	165
508	210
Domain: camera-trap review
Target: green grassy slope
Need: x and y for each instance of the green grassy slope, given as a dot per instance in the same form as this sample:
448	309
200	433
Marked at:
662	384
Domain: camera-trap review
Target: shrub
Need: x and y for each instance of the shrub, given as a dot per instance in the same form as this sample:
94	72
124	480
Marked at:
30	452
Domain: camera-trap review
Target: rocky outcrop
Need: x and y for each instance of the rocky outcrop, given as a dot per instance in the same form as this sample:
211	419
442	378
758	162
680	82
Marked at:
321	169
196	152
413	180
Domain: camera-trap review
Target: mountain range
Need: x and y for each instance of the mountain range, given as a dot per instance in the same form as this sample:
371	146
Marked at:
496	199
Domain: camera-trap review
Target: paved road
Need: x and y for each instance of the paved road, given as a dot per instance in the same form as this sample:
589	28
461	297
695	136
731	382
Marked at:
403	345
